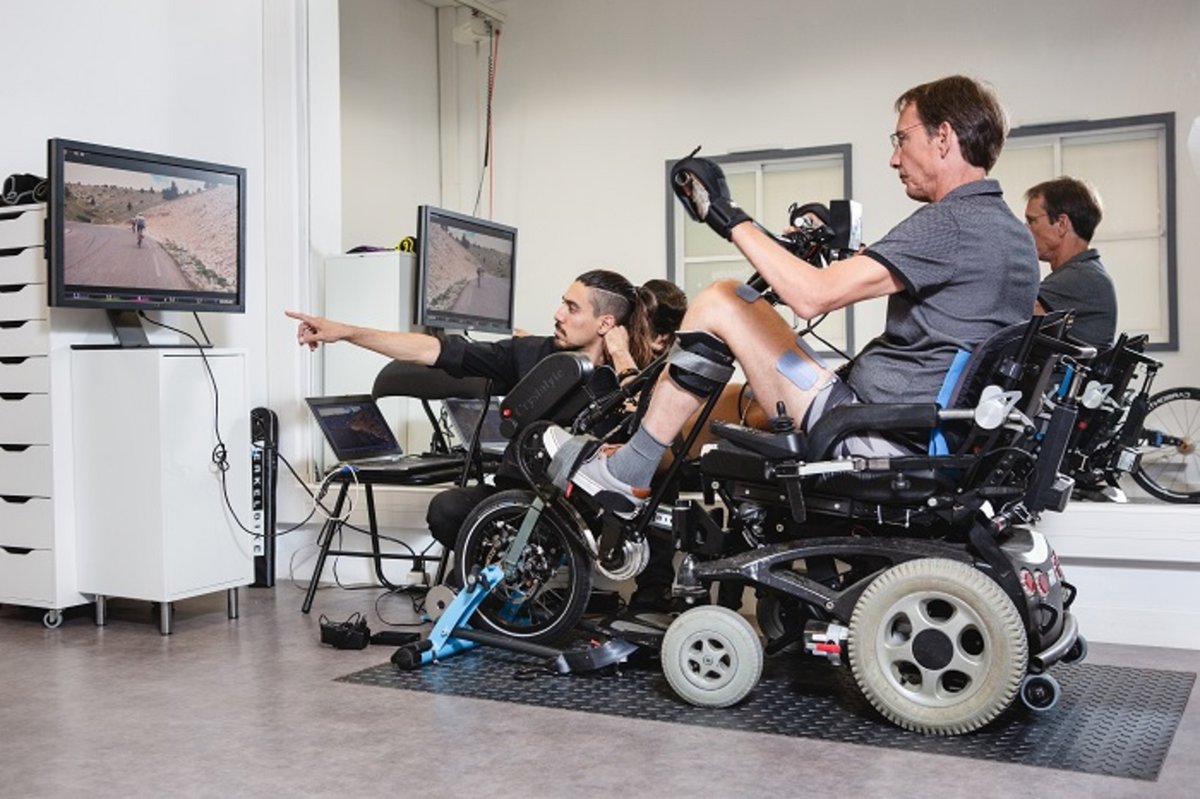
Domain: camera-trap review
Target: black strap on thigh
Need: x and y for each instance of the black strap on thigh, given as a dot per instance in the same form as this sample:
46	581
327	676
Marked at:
700	363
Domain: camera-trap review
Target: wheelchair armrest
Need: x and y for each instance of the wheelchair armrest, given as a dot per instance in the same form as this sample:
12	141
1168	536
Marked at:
763	442
836	423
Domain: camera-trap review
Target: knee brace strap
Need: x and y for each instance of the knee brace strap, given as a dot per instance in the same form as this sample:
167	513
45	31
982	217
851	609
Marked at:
700	363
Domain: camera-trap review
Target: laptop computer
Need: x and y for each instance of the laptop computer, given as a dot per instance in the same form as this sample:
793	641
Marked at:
463	415
359	435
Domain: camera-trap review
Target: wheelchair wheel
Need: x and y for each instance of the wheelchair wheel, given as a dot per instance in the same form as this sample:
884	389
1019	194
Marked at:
937	646
1170	465
711	656
547	595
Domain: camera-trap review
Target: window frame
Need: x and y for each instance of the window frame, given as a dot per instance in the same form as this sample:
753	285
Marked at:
760	158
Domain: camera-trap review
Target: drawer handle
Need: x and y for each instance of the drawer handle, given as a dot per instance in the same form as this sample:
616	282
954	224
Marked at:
8	252
12	288
17	550
14	447
13	325
13	499
14	360
13	396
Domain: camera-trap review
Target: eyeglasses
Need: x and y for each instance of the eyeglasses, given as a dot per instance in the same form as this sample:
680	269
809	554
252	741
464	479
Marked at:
898	138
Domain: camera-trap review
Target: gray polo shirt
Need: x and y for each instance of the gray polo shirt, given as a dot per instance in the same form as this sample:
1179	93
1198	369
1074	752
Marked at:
1082	284
969	268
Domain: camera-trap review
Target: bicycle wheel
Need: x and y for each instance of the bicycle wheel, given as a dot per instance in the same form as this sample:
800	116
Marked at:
1170	466
546	595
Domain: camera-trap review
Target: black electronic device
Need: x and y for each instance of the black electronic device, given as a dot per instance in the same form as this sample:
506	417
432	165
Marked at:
467	271
133	231
264	477
353	633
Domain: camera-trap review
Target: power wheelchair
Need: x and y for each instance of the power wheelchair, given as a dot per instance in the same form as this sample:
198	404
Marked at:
920	573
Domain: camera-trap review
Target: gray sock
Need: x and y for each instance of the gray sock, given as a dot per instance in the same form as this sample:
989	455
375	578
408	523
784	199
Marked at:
636	462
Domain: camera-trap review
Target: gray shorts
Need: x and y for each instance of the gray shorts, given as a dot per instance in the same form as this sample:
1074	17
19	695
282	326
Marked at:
864	445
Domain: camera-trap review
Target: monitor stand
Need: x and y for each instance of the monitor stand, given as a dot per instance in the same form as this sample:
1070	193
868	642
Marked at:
127	326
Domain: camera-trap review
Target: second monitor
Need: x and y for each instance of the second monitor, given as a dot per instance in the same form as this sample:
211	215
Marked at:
467	271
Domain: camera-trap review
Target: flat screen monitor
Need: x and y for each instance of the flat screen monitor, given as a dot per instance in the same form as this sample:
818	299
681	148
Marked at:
467	270
133	231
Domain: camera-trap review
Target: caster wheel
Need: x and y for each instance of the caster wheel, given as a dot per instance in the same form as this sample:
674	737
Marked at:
1040	692
1077	652
712	657
53	619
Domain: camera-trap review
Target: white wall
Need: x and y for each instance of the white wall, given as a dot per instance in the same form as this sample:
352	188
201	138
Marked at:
389	118
214	80
593	97
182	78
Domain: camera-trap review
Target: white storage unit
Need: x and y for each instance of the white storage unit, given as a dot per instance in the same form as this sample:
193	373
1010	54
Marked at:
37	536
151	509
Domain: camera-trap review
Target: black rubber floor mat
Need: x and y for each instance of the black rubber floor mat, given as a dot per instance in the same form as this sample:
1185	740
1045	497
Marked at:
1110	720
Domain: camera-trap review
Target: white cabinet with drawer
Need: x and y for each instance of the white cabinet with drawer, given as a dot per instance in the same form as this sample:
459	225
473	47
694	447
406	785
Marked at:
159	527
37	532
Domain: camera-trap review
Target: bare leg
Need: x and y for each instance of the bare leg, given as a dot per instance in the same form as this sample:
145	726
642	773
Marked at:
758	336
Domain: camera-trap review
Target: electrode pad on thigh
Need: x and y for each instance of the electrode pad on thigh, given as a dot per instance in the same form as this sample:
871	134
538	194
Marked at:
747	292
799	371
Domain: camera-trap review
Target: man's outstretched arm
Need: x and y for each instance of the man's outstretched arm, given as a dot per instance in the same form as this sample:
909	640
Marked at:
408	347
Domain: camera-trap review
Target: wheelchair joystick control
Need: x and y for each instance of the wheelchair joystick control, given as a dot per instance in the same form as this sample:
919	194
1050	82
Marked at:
782	423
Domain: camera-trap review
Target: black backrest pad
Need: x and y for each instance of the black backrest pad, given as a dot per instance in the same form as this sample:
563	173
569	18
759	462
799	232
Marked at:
399	379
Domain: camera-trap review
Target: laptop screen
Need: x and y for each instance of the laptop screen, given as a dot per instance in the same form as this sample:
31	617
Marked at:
354	427
464	415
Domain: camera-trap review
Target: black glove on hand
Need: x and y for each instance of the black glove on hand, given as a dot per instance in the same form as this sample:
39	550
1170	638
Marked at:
700	185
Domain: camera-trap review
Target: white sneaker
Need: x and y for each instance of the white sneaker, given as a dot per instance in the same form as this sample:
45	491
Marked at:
594	479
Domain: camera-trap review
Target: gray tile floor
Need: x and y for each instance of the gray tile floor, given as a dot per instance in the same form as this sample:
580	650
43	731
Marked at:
249	708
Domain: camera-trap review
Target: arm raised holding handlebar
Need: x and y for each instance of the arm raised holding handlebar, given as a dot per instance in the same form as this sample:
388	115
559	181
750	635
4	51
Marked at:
818	236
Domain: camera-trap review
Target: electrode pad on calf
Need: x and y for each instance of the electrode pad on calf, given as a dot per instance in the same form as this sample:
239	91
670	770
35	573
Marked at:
700	363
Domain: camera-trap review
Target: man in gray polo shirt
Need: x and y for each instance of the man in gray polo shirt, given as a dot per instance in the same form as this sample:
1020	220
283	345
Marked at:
1062	215
958	269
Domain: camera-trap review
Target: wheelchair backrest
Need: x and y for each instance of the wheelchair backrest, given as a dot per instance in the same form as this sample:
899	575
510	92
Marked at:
1048	372
997	360
1117	365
